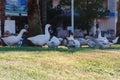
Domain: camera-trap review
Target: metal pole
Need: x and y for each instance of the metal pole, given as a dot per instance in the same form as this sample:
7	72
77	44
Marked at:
72	15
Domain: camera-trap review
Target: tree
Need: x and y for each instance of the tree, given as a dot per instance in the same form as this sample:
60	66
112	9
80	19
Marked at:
34	19
118	24
90	10
2	15
43	12
52	12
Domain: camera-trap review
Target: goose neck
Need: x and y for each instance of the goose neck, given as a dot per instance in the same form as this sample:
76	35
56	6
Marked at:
20	34
46	31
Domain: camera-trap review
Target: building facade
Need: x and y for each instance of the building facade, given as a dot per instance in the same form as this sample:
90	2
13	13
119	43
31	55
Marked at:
13	15
109	23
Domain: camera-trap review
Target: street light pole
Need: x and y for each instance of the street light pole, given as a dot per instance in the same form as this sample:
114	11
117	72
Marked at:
72	15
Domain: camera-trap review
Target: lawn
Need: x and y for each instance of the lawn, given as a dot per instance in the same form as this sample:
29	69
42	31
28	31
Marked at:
35	63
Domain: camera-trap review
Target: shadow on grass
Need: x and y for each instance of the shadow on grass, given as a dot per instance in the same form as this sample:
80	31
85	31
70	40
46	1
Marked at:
29	49
63	49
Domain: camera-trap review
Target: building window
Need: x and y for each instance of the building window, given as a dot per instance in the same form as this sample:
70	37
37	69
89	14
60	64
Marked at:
105	4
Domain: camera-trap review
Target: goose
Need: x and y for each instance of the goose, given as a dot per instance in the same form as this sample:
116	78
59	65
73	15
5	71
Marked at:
11	40
54	42
100	43
72	43
63	41
41	39
105	39
91	43
102	38
70	40
60	39
99	34
115	40
82	41
76	43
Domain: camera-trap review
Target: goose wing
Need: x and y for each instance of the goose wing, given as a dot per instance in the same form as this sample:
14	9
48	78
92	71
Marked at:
39	39
115	40
10	40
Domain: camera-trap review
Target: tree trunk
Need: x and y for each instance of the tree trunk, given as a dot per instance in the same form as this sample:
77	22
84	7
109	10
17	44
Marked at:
34	19
118	24
2	15
44	12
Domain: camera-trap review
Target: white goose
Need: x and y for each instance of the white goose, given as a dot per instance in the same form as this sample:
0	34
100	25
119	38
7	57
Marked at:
82	41
91	43
102	38
72	42
64	41
11	40
54	42
100	43
115	40
42	38
77	43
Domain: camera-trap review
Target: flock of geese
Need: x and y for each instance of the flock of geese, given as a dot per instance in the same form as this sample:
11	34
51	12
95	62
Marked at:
54	42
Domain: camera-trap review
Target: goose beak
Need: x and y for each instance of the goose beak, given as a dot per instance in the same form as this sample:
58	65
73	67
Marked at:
27	31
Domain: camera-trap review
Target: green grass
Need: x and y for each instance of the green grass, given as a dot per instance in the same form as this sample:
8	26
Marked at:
35	63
